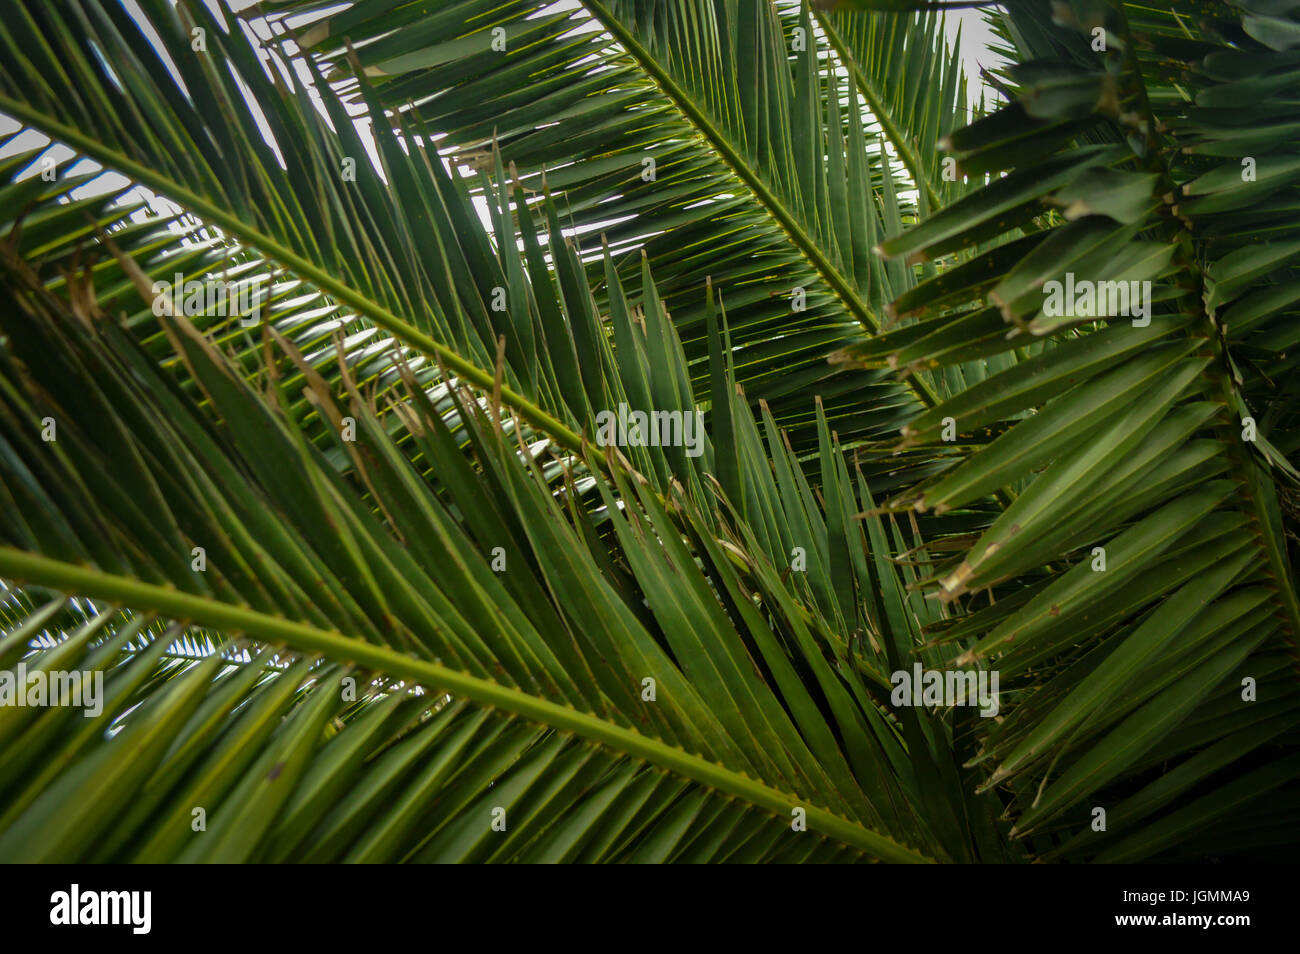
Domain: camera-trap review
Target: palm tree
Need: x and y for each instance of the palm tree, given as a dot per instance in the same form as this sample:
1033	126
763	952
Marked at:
314	319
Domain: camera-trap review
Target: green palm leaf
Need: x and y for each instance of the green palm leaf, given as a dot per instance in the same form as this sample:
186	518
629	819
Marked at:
364	576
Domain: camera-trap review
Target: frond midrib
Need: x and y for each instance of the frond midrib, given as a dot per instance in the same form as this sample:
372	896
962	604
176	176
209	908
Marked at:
766	199
271	248
33	568
875	102
1244	469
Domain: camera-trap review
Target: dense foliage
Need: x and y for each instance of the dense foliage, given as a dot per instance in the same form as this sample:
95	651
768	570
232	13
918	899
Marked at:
363	579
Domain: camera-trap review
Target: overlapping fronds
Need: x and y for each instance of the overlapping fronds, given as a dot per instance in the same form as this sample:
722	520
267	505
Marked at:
366	575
